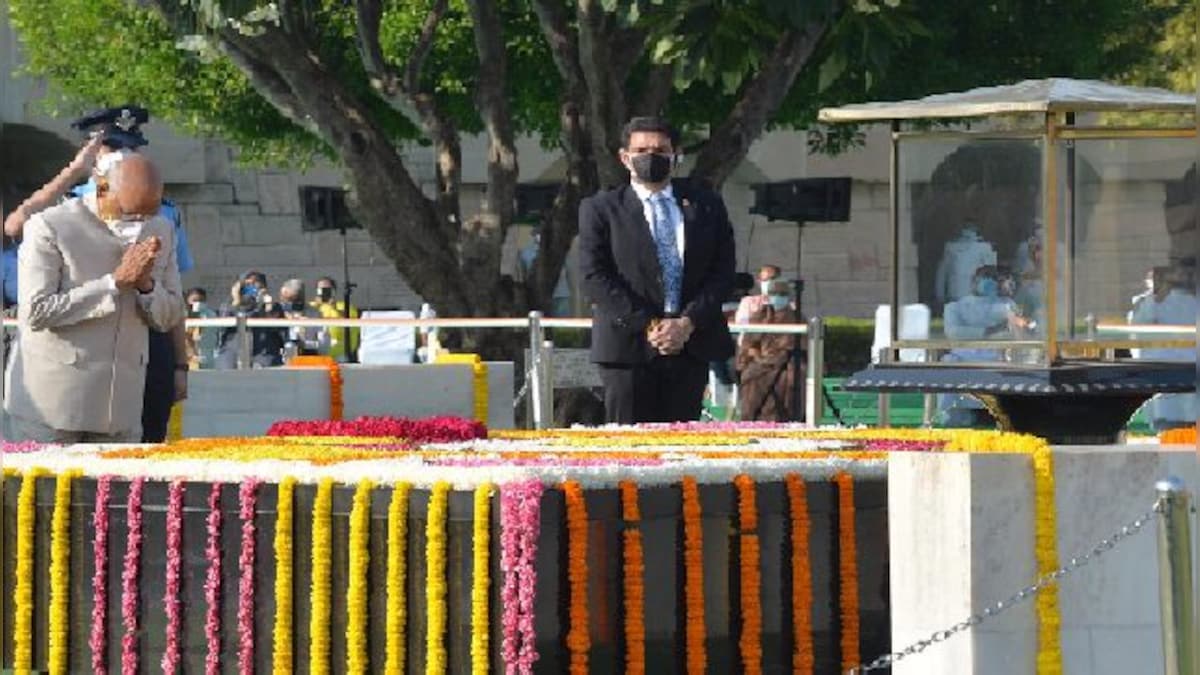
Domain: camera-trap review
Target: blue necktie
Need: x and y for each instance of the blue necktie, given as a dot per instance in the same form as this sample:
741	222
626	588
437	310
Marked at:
667	249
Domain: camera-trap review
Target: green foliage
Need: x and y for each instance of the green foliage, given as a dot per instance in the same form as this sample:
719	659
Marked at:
1173	64
110	52
879	49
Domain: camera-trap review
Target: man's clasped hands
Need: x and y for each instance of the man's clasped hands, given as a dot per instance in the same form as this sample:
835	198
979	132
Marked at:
668	336
137	264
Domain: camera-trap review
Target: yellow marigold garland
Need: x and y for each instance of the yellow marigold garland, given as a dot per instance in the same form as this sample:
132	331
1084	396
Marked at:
435	580
60	572
322	545
175	422
356	591
480	579
1045	538
479	374
750	639
397	606
802	599
284	653
23	595
634	588
1049	652
695	631
848	571
578	635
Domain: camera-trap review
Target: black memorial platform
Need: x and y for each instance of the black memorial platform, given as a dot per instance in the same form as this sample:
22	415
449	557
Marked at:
1083	402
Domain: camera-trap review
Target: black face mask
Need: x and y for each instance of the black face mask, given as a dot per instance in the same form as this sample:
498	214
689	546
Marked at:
325	293
651	167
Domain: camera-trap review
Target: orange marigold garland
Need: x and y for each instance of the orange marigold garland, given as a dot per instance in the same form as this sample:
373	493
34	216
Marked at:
578	636
750	639
336	405
693	579
848	568
1180	436
802	598
634	588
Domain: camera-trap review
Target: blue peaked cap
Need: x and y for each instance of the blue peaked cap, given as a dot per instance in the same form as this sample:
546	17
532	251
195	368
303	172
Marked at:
120	127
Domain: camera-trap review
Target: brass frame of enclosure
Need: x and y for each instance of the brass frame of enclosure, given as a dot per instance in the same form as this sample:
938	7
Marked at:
1056	127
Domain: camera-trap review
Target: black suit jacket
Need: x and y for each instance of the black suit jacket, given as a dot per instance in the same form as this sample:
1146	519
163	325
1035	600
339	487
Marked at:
622	276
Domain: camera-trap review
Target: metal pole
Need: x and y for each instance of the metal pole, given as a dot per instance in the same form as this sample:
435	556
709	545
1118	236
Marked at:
536	391
1175	578
814	398
547	383
883	401
243	342
1090	323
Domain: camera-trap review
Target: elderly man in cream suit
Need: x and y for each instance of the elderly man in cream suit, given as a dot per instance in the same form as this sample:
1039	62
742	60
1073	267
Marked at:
94	273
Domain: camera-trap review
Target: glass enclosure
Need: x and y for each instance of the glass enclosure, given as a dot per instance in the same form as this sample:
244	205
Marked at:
1098	263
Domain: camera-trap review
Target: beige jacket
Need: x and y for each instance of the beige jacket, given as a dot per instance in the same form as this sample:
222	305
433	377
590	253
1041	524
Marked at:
80	360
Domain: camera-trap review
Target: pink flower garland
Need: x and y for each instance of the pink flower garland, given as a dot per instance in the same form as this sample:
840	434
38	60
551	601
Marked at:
98	638
444	429
470	462
22	447
248	497
212	583
129	579
170	659
520	525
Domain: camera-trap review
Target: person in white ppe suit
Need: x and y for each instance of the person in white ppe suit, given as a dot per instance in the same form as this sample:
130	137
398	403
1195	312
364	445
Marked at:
962	256
988	312
1173	302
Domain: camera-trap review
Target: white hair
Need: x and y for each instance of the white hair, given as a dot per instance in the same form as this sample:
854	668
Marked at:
296	287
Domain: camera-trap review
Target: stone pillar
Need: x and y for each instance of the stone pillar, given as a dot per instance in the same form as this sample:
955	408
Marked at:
961	537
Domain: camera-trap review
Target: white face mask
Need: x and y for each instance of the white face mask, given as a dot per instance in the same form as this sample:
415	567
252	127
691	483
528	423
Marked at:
127	231
764	285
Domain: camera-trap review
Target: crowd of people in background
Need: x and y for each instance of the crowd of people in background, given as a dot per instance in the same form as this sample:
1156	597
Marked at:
250	296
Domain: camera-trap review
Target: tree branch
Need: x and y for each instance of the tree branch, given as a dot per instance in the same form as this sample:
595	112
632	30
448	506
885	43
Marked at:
267	83
420	51
656	91
482	243
760	100
606	95
563	47
405	95
368	15
388	202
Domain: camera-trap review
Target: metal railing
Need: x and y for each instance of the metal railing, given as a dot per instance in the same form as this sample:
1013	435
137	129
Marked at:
539	371
1176	591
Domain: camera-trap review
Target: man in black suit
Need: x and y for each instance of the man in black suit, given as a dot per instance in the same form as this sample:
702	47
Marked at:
657	258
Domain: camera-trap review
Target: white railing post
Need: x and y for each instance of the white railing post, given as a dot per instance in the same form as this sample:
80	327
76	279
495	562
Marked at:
814	395
534	377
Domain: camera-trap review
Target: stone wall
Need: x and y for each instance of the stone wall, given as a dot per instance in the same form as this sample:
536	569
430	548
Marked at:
239	219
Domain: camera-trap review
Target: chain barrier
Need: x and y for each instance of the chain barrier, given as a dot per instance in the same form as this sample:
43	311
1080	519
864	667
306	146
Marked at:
994	610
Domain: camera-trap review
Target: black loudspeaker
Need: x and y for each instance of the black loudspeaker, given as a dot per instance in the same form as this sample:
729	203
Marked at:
805	200
324	208
534	201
